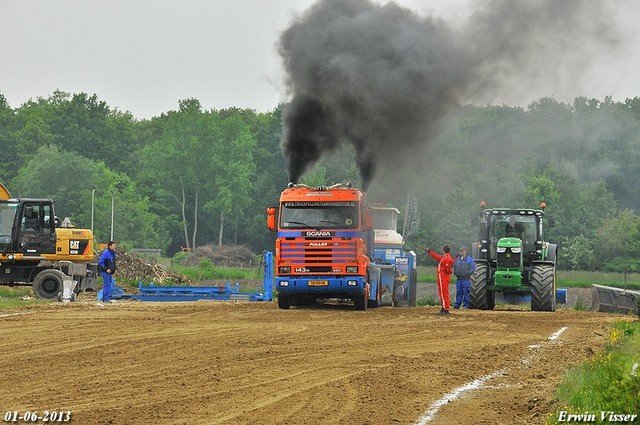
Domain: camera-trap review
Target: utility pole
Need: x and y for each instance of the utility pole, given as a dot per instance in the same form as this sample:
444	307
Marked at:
113	203
93	197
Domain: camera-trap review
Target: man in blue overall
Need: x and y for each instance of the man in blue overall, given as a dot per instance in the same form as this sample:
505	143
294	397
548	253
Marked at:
107	266
463	268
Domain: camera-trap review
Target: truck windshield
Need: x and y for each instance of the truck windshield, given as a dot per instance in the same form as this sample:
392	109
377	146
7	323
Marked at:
323	215
7	216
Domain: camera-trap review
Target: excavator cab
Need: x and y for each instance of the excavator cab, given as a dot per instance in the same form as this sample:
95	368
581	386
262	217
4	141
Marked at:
27	226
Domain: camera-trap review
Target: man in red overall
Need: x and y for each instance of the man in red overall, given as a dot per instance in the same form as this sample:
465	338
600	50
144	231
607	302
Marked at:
443	271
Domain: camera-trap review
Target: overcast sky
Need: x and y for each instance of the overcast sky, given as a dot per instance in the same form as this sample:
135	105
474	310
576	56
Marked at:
143	56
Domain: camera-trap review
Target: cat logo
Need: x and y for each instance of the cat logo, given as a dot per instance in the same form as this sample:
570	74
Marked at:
74	246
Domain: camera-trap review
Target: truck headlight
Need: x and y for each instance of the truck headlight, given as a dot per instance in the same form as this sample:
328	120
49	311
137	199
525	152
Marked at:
284	269
516	250
284	283
352	269
501	249
352	283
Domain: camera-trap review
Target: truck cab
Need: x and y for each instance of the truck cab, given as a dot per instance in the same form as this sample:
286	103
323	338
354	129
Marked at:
323	246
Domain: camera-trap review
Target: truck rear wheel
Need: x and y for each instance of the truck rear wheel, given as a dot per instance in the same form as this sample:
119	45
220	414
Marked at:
543	287
375	278
479	297
48	284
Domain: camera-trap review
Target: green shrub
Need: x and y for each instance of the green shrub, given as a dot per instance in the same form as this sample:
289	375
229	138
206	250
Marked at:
180	257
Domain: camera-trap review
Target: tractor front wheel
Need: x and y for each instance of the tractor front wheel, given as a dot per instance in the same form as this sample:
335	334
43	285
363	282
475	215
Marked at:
543	287
479	297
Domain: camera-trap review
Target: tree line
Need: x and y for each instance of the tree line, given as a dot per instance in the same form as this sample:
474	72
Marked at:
191	176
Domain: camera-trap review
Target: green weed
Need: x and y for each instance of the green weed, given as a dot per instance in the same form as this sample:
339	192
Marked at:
427	300
609	381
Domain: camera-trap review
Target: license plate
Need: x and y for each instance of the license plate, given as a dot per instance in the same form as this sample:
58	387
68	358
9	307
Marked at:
318	283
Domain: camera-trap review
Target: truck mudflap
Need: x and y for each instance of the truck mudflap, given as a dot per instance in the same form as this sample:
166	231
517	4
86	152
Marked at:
322	286
608	299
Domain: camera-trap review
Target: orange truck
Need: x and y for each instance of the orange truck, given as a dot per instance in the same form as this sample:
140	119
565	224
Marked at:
36	251
325	247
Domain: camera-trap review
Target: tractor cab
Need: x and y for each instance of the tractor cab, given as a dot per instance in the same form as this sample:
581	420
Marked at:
506	234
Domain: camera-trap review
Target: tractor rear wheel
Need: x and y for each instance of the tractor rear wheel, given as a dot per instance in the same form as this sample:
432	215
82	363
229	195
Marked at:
543	287
479	297
48	284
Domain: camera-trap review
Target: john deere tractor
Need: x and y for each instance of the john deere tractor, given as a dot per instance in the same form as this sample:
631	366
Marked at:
512	257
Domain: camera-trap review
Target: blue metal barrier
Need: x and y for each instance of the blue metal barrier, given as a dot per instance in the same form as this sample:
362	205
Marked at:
227	292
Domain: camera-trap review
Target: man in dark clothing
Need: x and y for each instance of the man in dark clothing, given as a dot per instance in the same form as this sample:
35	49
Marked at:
463	268
107	265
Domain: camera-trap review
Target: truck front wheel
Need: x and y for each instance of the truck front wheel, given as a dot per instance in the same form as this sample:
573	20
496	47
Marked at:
48	284
284	301
360	302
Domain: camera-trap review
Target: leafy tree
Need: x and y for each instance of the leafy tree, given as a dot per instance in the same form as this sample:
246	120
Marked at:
69	179
233	172
578	254
618	240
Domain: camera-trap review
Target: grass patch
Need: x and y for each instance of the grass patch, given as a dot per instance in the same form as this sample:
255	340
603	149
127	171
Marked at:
609	381
17	296
426	273
14	292
18	302
582	279
207	271
428	300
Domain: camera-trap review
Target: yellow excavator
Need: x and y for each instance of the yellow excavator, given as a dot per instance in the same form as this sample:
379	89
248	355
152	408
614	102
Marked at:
37	249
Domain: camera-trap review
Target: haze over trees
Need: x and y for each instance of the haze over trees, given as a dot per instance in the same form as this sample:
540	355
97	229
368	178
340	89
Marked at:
191	176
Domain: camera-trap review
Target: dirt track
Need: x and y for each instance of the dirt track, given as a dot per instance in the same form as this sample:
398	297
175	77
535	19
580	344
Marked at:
250	363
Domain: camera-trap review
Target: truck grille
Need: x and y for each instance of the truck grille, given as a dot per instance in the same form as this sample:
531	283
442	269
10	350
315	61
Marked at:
318	254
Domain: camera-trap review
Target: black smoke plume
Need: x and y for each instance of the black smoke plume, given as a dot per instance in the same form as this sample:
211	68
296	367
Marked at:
382	77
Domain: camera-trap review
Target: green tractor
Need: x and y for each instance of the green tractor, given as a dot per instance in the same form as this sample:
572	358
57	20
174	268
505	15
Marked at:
512	257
